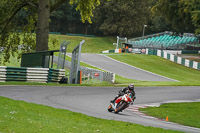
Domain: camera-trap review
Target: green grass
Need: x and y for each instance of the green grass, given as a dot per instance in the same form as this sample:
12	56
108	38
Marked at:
182	113
91	45
92	83
158	65
19	116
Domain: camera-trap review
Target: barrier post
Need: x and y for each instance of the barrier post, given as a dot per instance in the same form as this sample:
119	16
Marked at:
80	77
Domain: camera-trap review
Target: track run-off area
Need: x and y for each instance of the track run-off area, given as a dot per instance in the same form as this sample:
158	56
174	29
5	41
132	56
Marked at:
93	101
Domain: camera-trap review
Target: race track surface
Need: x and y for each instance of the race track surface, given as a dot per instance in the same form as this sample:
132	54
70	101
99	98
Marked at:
122	69
93	101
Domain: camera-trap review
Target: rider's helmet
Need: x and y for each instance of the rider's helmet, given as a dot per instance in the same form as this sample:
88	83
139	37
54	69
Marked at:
131	87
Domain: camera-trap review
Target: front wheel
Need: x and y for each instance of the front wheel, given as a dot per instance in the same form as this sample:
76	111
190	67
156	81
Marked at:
120	107
109	108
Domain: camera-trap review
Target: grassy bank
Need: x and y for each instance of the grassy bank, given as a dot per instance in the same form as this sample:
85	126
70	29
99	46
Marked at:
158	65
91	45
19	116
182	113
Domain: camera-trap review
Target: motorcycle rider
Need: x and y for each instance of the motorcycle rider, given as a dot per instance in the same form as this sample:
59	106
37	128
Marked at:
125	90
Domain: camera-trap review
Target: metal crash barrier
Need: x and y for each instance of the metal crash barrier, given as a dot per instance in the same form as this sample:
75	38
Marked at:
40	75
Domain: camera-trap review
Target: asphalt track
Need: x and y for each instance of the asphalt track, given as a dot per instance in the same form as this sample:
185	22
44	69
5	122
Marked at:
93	101
122	69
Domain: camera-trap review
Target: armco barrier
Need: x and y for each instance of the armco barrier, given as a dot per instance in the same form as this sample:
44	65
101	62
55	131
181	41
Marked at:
177	59
41	75
55	75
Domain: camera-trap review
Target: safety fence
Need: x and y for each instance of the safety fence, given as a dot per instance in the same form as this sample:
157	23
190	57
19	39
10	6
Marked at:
170	55
175	52
89	74
40	75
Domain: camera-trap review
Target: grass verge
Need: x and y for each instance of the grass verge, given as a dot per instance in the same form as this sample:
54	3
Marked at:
183	113
19	116
91	83
186	76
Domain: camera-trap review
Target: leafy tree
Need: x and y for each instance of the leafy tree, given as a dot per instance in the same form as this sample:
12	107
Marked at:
157	24
182	15
122	17
66	20
11	27
37	13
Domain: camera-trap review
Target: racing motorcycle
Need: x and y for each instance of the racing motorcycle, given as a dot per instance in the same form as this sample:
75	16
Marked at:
121	103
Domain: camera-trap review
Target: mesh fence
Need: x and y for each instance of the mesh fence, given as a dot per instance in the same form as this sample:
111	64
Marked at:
89	74
62	54
75	63
97	75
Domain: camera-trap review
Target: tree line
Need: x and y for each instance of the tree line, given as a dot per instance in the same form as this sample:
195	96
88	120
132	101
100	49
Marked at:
110	18
128	17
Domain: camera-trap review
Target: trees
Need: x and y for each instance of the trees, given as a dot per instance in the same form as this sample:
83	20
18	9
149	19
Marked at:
37	19
12	29
121	17
67	20
183	15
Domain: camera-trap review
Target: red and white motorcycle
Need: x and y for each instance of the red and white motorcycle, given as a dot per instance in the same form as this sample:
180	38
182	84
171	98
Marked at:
121	103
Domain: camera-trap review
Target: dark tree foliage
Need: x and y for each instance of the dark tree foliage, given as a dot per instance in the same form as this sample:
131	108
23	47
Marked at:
67	20
182	15
17	22
122	17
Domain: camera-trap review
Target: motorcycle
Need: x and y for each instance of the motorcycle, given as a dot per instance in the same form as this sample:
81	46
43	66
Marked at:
121	103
